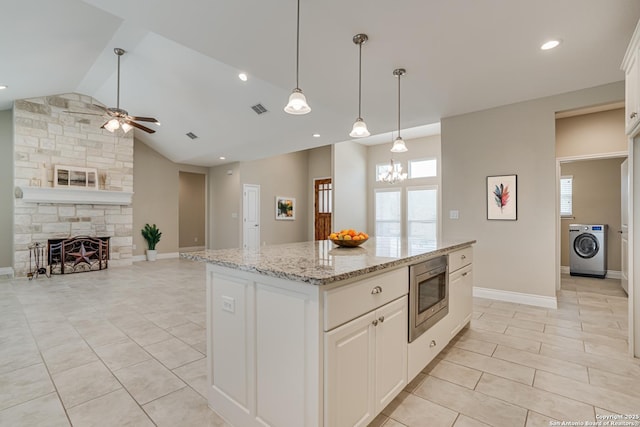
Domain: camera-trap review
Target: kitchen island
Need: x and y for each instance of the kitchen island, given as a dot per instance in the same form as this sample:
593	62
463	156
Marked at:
310	334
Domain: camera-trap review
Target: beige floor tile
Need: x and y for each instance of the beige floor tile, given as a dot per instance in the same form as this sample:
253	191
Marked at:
167	320
412	410
546	363
414	383
508	312
624	383
593	395
478	346
393	423
103	334
479	362
479	406
45	411
378	421
607	340
622	364
18	352
457	374
613	332
23	385
606	347
464	421
194	374
148	380
83	383
122	354
537	420
482	324
173	353
184	407
147	333
188	332
545	338
69	355
114	409
512	321
55	336
549	320
543	402
506	340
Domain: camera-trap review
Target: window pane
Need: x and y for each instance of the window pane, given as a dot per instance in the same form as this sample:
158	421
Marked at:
423	168
422	214
566	196
388	213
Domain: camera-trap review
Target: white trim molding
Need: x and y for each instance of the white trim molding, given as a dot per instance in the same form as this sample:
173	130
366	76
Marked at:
192	249
6	271
73	196
516	297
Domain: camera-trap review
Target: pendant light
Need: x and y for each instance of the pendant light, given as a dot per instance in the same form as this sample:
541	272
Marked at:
297	102
399	145
359	127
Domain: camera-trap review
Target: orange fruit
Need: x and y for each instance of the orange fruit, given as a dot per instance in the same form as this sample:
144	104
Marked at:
347	237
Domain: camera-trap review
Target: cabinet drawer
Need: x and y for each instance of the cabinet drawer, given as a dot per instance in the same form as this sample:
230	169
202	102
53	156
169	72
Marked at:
460	258
350	301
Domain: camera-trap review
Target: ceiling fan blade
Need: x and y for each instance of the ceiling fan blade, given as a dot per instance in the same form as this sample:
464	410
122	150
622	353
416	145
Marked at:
143	119
139	126
104	124
100	107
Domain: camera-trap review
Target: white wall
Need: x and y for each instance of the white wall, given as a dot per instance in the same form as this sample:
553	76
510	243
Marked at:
350	186
517	256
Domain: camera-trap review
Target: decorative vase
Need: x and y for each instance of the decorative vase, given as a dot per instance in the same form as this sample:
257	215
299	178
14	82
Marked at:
152	255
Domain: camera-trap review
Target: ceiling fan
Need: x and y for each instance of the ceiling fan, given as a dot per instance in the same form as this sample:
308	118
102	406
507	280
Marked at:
119	118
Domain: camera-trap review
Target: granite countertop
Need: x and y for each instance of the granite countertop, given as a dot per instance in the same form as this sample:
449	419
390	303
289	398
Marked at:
322	262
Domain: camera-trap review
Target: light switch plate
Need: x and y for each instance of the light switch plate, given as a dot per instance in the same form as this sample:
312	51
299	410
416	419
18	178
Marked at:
228	304
454	214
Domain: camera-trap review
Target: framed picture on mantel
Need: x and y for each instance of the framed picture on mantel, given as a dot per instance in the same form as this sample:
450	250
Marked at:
285	208
502	197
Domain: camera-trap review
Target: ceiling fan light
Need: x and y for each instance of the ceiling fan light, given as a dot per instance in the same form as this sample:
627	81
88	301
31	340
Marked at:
297	103
126	127
112	125
399	146
359	129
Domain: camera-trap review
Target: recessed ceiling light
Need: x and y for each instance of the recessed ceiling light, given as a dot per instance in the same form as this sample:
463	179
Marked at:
550	44
222	158
243	77
3	87
316	135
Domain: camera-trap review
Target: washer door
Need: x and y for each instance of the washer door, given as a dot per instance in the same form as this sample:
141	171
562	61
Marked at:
586	245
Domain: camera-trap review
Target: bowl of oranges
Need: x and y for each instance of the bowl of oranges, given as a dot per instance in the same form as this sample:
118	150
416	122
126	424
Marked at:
348	238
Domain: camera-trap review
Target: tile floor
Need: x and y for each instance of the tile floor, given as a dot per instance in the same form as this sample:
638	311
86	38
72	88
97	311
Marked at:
126	347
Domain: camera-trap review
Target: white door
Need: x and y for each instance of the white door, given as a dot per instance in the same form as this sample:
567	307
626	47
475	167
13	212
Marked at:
251	216
391	351
349	372
624	230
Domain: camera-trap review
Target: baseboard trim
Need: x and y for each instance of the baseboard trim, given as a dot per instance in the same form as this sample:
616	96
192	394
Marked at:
611	274
192	249
6	271
167	255
516	297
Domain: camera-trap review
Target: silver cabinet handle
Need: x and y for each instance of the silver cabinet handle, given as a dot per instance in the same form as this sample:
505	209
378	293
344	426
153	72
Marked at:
463	257
465	273
375	323
381	319
432	343
376	290
633	115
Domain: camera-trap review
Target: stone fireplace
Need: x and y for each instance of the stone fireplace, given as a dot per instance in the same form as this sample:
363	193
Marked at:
45	136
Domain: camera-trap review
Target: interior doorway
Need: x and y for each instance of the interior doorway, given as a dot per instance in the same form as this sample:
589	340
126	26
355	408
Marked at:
323	208
250	216
192	211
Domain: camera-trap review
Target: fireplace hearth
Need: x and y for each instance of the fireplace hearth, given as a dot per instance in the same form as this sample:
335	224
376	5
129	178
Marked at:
78	254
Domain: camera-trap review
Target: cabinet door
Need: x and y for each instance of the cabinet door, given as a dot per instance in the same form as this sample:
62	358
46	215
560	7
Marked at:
391	351
349	385
460	299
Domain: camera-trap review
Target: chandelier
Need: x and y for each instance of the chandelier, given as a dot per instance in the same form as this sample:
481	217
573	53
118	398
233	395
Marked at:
394	174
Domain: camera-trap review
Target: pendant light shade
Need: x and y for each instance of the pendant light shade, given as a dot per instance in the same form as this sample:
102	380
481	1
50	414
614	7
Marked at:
297	102
398	145
359	127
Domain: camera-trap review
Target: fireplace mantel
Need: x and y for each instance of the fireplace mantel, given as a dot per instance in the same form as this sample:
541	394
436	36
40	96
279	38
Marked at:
73	196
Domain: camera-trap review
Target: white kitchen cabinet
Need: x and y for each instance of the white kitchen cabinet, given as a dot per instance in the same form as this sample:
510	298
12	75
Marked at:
460	299
632	84
365	365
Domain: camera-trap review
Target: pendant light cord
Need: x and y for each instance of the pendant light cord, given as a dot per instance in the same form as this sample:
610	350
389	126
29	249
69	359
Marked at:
399	75
298	46
360	81
118	86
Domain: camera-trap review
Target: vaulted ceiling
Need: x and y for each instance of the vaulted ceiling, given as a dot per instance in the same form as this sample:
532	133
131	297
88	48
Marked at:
183	60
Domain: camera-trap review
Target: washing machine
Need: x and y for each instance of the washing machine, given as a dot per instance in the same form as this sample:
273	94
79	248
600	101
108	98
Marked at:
588	250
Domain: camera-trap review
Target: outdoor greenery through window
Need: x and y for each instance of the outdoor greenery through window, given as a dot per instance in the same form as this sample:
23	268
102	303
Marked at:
566	196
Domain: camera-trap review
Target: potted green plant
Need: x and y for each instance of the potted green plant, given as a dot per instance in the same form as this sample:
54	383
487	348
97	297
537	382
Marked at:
152	235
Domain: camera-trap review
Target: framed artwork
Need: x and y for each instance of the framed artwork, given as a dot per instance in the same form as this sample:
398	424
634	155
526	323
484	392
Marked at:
75	177
502	197
285	208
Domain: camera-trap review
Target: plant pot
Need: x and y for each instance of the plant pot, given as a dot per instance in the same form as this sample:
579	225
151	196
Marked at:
152	255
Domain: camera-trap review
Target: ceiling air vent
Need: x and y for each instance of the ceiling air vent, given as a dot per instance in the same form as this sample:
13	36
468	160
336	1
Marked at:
259	108
192	135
